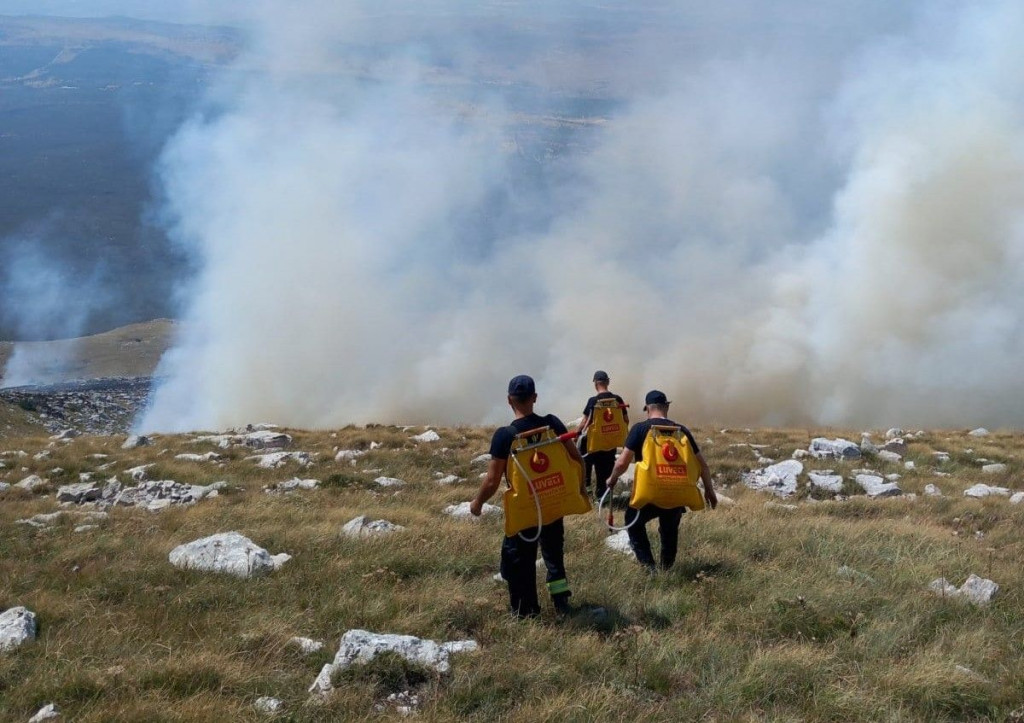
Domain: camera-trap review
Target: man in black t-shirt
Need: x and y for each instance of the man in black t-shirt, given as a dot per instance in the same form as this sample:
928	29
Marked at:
600	462
519	557
656	406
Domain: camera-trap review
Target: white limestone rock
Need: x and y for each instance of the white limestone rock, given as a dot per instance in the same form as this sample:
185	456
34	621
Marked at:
140	473
481	460
894	433
348	455
983	490
619	542
979	590
909	464
31	483
268	705
942	586
875	486
461	511
823	448
389	482
307	646
779	479
4	486
227	552
17	627
449	479
50	711
887	456
994	468
800	454
291	486
931	490
79	493
362	646
429	436
362	526
867	446
779	506
979	432
189	457
273	460
849	573
66	434
266	439
826	481
1017	498
135	441
896	445
941	457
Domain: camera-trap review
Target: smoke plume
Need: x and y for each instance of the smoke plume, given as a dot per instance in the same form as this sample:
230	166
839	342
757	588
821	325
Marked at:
785	215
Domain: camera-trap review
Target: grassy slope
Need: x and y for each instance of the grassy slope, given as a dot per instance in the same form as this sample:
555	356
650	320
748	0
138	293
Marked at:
16	422
753	624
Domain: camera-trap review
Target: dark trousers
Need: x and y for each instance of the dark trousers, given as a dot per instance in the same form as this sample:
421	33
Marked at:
601	463
519	568
668	529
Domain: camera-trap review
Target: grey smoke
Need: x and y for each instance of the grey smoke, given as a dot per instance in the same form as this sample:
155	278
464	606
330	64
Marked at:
788	215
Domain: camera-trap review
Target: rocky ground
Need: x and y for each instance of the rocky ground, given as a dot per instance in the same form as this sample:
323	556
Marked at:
332	575
96	406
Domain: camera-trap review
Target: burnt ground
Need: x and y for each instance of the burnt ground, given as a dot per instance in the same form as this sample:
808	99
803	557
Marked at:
95	406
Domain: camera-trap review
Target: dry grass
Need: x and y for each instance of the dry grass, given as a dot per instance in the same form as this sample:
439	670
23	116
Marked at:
753	623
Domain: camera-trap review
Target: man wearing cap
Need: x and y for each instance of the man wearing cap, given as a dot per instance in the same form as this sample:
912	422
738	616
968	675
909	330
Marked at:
519	557
656	406
600	462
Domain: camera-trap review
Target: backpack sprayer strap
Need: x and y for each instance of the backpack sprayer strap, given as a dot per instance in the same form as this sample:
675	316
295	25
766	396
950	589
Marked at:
514	454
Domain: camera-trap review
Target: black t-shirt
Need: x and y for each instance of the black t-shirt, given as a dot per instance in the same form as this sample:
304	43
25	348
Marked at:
501	442
638	433
588	410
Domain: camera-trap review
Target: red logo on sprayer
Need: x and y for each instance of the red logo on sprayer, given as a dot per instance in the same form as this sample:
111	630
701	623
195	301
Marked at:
539	462
669	452
608	415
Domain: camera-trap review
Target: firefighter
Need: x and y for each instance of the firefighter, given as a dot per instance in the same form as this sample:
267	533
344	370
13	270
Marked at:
600	461
519	550
656	406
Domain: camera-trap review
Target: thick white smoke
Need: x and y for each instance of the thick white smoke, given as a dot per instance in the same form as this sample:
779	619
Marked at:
811	217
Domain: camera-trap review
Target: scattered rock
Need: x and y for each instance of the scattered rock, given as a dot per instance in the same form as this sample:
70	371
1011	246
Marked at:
875	486
449	479
976	590
47	712
65	435
867	446
429	436
826	481
461	511
389	482
268	705
138	474
31	483
291	485
779	506
942	586
362	646
994	468
273	460
349	455
17	627
896	445
404	703
850	574
363	527
979	432
800	454
4	486
932	491
822	448
1017	498
79	493
780	479
909	464
619	542
983	490
941	457
226	552
308	646
480	460
266	439
887	456
189	457
894	433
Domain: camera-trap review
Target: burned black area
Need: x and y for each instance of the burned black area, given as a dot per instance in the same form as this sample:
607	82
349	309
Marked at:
94	406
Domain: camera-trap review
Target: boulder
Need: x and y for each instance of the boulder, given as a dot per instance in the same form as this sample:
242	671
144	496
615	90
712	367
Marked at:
292	485
50	711
826	481
619	542
931	490
307	646
348	455
461	511
189	457
822	448
273	460
875	486
268	705
979	432
31	483
266	439
994	468
1017	498
226	552
867	446
896	445
481	460
429	436
976	590
449	479
136	440
17	627
887	456
983	490
389	482
779	479
362	526
362	646
79	493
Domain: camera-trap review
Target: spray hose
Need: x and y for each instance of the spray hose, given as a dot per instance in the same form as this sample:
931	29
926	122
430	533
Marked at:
533	492
610	521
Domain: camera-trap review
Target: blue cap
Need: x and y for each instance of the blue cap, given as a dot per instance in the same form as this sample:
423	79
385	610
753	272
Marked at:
601	376
521	386
655	397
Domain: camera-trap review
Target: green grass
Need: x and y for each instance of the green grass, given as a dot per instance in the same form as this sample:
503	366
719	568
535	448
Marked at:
753	623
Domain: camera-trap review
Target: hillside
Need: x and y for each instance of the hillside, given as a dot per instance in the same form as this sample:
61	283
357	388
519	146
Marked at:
129	351
812	608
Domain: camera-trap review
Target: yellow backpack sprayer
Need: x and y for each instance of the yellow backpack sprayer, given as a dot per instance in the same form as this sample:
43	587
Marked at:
667	475
544	482
607	428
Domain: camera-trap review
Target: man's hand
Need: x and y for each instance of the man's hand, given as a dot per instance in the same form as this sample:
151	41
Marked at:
710	497
476	507
610	484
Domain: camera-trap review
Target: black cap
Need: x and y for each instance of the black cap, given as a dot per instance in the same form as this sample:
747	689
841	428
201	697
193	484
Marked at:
655	397
521	386
600	376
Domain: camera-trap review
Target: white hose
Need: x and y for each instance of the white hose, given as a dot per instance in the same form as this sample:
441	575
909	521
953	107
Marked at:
536	501
600	504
